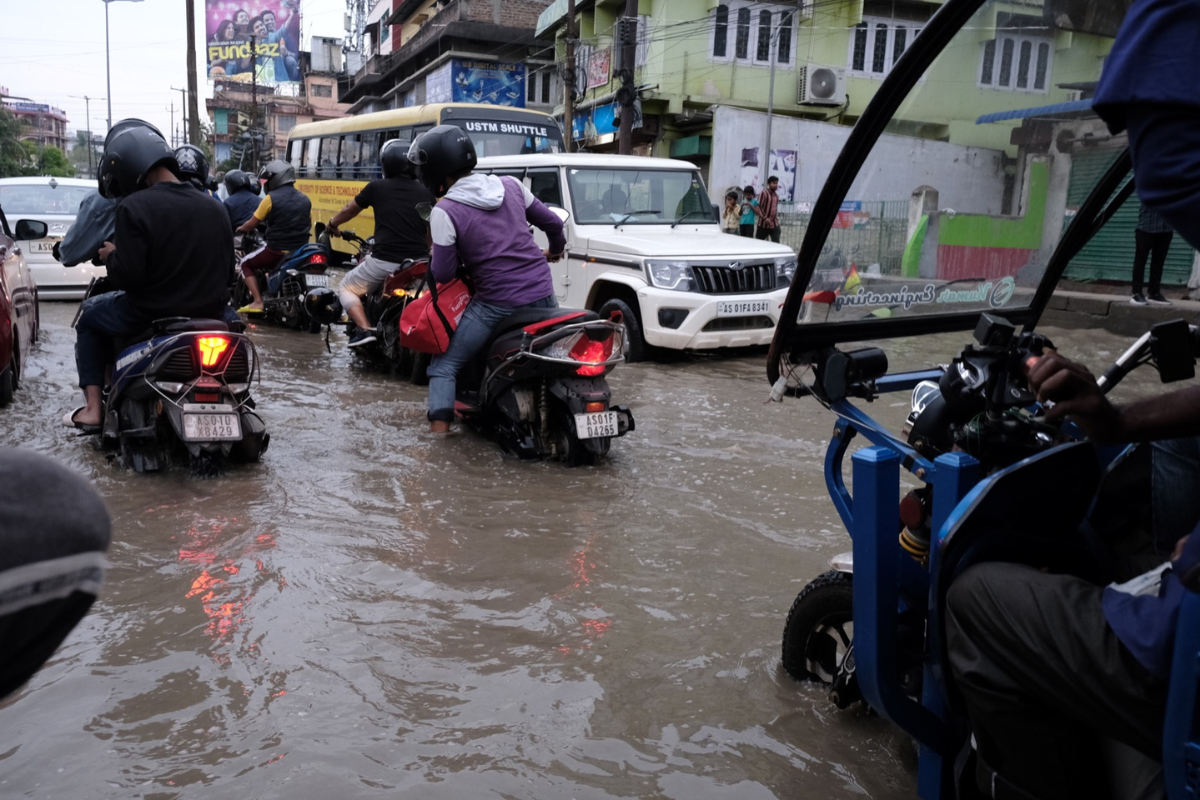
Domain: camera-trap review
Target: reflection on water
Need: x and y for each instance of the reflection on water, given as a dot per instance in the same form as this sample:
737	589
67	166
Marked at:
372	612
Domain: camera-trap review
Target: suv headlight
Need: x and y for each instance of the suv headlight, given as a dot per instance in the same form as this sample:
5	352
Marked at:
785	270
675	275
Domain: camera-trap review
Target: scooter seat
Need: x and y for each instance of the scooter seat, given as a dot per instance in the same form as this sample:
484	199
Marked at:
171	325
525	317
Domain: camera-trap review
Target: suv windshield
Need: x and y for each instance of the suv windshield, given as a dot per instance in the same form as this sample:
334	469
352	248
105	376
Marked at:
645	196
42	199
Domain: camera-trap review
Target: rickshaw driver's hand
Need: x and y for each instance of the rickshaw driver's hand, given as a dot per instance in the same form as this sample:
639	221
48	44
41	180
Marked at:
1072	389
552	257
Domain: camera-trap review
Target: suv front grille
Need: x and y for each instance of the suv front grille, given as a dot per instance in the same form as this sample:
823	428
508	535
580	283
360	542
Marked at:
726	280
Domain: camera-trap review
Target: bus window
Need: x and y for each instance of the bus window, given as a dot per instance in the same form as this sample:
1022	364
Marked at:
368	165
329	156
311	146
296	154
544	186
349	159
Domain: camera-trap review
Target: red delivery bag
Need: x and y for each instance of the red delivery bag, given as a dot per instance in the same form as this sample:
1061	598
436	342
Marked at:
427	323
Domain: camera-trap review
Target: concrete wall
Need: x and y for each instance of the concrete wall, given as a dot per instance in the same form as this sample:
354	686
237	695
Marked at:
968	179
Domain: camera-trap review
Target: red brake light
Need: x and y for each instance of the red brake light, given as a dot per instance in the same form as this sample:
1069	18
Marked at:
593	351
317	258
211	349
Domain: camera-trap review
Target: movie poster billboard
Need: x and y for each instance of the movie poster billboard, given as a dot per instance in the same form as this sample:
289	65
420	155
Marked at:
783	165
272	25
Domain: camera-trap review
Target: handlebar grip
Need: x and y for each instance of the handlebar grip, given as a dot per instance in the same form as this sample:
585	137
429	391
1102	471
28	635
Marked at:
1112	376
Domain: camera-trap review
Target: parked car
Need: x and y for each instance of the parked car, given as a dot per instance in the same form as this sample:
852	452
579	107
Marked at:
55	202
18	304
644	239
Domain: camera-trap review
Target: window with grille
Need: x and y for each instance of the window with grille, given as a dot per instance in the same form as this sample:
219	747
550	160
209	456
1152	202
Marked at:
756	32
1016	62
877	44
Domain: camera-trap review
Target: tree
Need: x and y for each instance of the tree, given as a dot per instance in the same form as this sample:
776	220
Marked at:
13	157
79	154
46	160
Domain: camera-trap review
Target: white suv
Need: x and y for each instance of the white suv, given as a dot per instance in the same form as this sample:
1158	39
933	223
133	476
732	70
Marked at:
643	239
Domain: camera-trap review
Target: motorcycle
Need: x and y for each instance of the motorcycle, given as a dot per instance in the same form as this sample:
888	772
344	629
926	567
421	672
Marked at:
976	446
539	385
383	307
289	284
179	392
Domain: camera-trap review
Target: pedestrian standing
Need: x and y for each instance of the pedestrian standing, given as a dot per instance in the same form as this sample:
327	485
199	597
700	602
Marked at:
1153	236
768	211
731	215
749	212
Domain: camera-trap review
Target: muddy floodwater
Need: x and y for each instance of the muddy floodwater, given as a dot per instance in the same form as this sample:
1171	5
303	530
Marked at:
374	612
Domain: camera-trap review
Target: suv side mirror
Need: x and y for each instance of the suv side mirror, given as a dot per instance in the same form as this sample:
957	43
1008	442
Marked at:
28	229
560	212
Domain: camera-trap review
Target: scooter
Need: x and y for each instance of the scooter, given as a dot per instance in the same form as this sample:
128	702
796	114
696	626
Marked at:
383	308
539	386
287	286
180	393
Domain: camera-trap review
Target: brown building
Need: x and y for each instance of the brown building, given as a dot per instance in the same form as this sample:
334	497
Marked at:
249	122
40	123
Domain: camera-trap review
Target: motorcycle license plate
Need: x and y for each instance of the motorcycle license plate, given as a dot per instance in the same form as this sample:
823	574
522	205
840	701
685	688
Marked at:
215	422
742	308
593	426
316	281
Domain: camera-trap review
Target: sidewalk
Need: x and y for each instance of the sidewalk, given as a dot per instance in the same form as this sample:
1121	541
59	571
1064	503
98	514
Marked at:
1113	312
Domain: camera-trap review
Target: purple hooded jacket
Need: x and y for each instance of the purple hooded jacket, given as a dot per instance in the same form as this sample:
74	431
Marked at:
484	222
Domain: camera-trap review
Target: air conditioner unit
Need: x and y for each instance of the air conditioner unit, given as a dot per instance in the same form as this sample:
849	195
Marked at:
821	86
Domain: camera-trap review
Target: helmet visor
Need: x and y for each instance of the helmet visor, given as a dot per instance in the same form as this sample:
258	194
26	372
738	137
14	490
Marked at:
415	154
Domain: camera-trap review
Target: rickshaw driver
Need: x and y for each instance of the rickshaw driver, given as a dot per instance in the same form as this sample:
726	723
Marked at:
1046	662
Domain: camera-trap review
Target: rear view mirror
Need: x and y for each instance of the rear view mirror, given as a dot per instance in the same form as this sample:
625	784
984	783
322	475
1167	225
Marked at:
424	210
28	229
1171	345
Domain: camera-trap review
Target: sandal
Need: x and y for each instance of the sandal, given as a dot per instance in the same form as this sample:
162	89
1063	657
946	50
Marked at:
69	421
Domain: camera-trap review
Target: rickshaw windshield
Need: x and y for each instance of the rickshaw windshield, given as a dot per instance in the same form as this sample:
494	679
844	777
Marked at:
973	156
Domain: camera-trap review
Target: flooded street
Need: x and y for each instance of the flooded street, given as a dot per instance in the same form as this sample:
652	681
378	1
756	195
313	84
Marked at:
375	612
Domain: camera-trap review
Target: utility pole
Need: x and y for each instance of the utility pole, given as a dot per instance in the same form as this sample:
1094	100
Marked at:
569	75
254	101
87	106
172	124
766	157
183	93
628	92
193	93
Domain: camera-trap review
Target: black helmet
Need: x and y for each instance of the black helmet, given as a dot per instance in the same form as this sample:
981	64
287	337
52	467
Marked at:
236	180
394	158
440	153
129	157
323	306
193	164
277	174
126	124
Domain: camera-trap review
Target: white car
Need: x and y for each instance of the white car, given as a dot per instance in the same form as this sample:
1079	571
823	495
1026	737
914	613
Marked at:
55	202
643	239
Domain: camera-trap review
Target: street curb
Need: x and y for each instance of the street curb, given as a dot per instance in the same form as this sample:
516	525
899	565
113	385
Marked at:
1113	313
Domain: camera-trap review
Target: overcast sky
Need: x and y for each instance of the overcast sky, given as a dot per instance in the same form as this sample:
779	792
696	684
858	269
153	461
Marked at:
54	49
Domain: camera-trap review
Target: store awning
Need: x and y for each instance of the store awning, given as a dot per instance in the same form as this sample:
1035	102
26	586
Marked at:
1039	111
550	17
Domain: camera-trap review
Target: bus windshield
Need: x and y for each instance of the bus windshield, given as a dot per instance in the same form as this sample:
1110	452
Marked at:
503	138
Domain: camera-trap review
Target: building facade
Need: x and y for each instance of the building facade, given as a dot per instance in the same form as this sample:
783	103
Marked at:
39	122
418	51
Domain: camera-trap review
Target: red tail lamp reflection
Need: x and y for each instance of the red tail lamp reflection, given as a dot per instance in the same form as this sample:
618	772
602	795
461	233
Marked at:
596	352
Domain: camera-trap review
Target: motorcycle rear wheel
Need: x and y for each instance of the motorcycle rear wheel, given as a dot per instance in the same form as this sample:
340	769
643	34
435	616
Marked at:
820	628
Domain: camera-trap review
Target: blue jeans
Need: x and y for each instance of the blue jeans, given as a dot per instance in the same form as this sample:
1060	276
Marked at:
1175	502
104	318
473	332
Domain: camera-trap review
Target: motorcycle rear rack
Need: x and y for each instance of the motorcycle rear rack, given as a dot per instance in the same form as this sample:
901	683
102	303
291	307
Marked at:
255	376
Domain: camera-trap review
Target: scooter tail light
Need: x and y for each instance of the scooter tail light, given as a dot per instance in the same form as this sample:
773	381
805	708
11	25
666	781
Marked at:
595	407
211	349
594	352
318	258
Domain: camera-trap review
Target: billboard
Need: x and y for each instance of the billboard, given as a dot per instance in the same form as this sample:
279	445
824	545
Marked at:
494	82
274	27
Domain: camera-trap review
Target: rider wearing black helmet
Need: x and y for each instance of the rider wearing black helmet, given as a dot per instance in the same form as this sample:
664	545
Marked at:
399	231
483	223
171	257
243	196
288	214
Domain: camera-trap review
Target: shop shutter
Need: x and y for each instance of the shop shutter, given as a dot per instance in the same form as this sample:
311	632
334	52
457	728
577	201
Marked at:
1109	255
